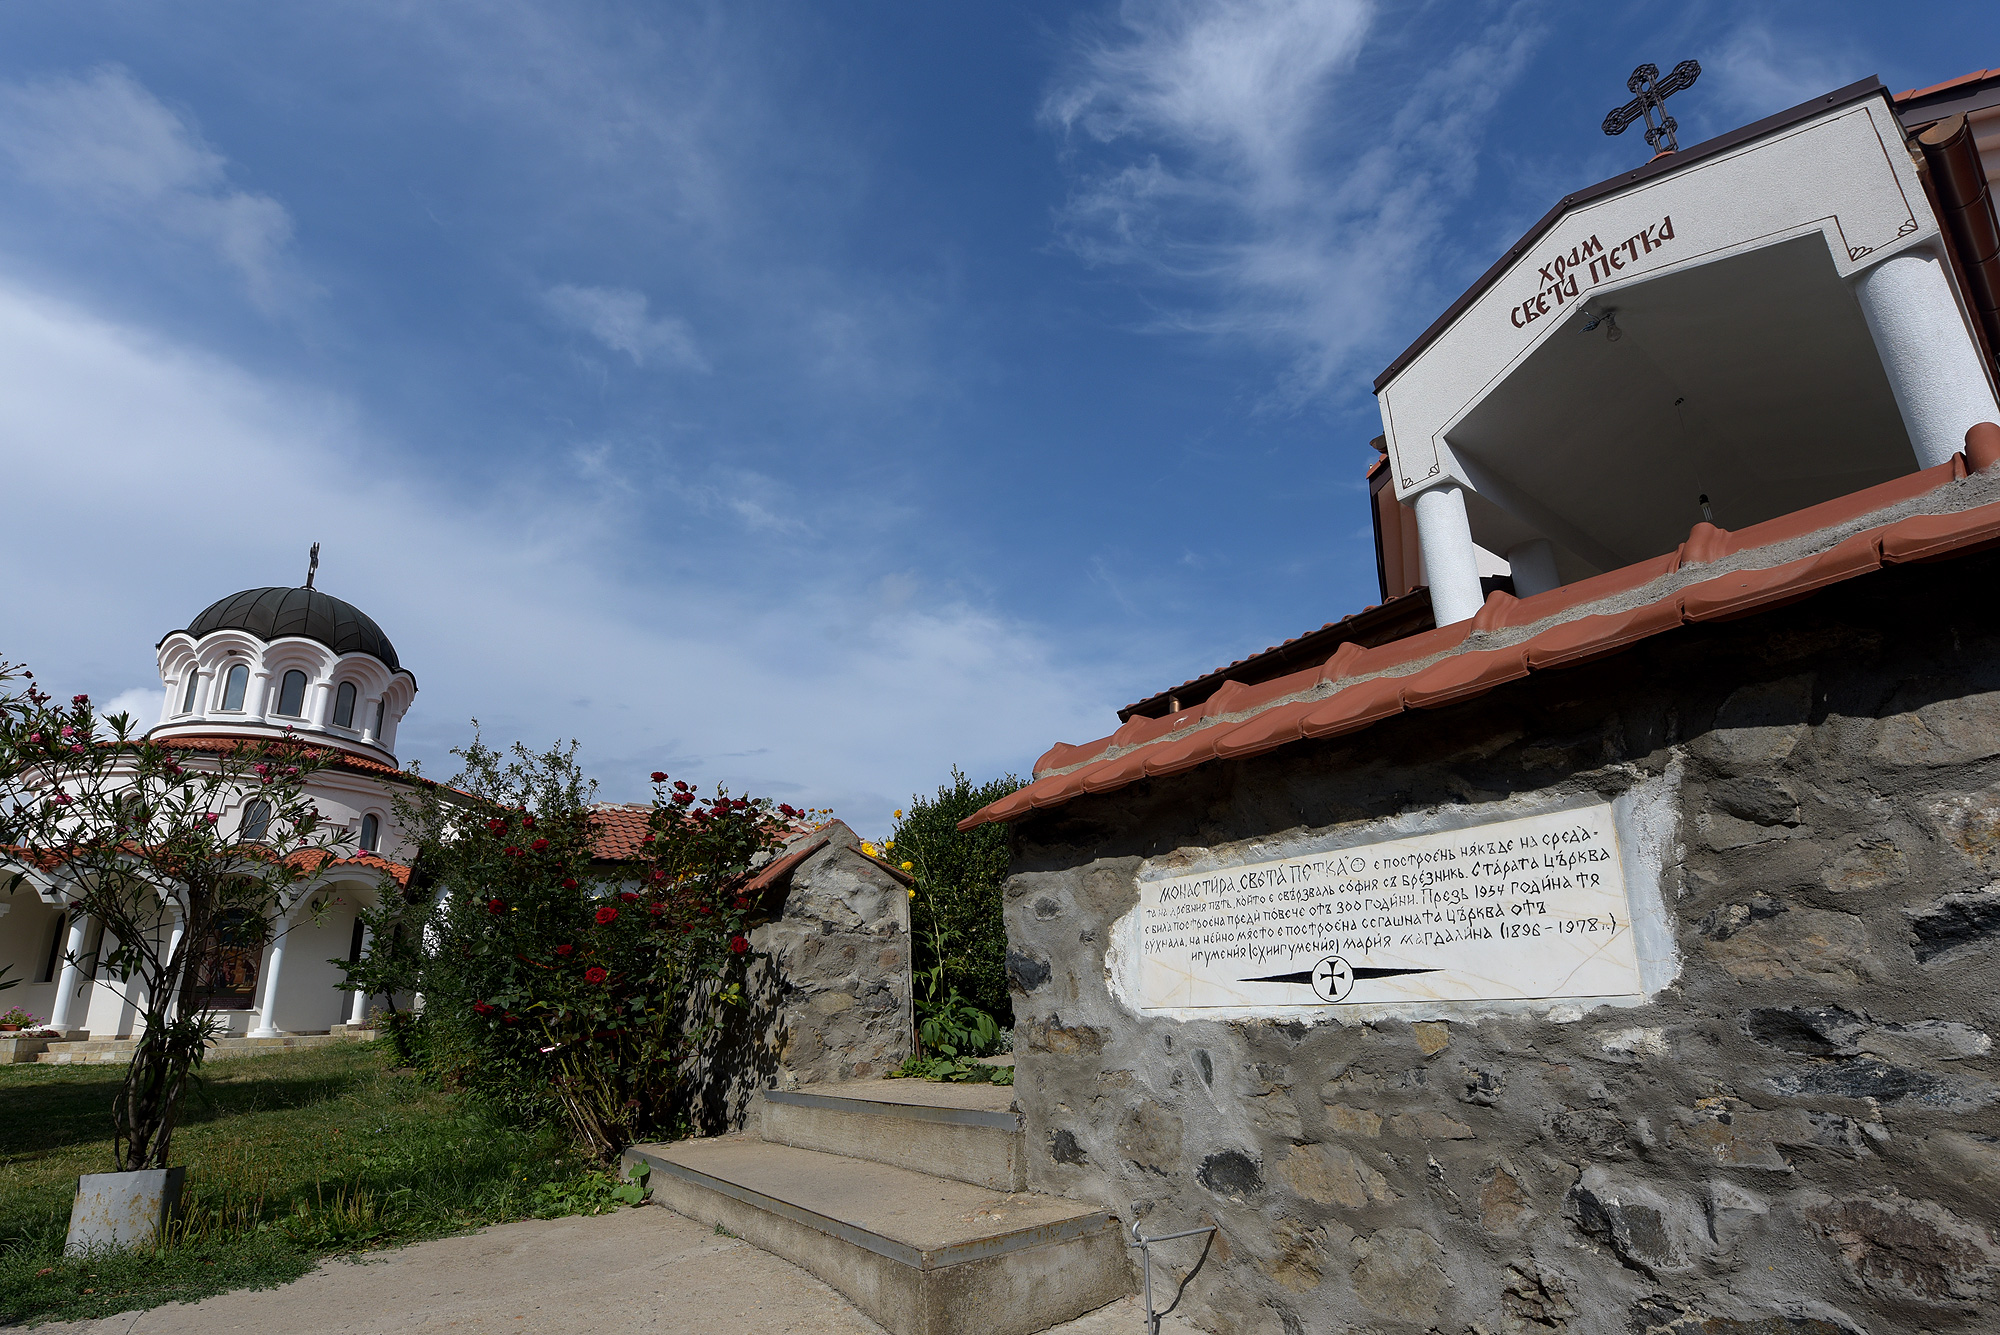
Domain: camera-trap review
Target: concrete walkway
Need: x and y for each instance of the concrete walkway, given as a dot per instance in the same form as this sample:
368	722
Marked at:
636	1272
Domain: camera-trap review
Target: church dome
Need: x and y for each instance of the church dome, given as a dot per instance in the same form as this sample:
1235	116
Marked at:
271	614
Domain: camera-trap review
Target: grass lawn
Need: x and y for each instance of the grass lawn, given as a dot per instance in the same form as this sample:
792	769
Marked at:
290	1157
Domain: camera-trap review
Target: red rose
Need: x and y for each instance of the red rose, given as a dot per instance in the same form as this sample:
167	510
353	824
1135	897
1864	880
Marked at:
513	852
701	908
683	798
496	906
569	882
680	787
594	975
539	845
656	909
481	1008
607	914
527	822
629	896
737	945
496	826
659	876
565	949
509	1018
659	777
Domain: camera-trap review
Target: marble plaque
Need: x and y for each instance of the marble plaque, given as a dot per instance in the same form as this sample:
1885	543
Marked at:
1511	910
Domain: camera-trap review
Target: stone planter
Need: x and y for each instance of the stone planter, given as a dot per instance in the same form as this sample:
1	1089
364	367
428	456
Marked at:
122	1209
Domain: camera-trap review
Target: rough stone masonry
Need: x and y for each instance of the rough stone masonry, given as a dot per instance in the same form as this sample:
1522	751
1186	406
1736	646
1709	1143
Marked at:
1796	1135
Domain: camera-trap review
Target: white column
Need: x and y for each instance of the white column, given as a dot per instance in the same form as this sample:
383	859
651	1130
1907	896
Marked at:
67	981
259	703
1931	357
1451	562
204	695
320	714
360	1011
272	967
1533	564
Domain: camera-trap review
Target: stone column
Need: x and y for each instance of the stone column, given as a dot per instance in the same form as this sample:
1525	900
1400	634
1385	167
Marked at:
320	715
1451	562
1929	354
359	1014
260	695
204	701
67	980
1533	564
273	966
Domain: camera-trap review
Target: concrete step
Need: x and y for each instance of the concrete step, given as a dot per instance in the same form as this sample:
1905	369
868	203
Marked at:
969	1133
920	1254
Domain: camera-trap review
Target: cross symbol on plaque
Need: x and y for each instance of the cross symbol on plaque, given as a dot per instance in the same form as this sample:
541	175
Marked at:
1333	978
1651	100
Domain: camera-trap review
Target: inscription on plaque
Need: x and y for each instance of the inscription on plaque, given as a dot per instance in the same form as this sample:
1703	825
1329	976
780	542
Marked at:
1521	909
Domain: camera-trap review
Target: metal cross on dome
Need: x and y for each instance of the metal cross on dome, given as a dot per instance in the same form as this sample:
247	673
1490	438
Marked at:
1652	94
312	566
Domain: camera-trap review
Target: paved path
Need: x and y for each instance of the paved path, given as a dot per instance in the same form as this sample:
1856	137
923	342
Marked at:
636	1272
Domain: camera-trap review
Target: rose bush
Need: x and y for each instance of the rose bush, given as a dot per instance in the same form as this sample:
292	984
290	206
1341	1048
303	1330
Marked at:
554	978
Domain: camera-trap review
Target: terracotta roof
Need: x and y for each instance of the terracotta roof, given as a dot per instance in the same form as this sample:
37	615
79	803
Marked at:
316	860
342	759
622	828
1378	623
1715	575
1962	82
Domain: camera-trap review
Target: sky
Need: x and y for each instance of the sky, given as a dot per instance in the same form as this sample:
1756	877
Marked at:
804	397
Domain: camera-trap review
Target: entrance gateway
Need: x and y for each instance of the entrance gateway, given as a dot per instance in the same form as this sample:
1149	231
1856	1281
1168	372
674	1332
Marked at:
1602	933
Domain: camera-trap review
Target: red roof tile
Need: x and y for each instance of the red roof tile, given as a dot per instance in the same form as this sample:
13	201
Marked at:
1911	94
1817	547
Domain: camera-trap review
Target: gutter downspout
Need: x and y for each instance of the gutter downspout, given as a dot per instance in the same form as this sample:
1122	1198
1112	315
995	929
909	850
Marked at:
1959	179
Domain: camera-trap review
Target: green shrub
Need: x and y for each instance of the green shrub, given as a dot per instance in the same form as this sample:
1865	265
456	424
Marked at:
960	940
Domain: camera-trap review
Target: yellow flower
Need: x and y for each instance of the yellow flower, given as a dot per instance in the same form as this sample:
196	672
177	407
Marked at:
910	866
897	813
913	894
869	849
888	843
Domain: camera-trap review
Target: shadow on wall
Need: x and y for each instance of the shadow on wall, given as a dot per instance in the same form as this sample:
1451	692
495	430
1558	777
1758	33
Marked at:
826	988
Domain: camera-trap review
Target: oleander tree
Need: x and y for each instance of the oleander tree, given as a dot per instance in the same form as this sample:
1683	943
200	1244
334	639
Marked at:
552	977
181	859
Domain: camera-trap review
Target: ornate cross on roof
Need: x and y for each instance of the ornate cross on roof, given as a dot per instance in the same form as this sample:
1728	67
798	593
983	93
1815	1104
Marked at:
1653	92
312	567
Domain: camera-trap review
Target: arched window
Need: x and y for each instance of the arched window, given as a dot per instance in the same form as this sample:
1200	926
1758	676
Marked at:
292	695
371	833
256	819
343	705
233	687
380	705
187	697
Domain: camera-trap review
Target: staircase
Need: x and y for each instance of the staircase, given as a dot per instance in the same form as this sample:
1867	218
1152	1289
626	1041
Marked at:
907	1197
112	1051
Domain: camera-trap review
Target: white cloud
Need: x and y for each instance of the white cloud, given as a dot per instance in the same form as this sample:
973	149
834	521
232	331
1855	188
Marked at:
103	143
1757	72
1217	151
142	703
618	318
523	609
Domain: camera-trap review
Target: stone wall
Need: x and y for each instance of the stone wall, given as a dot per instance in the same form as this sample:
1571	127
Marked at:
1797	1134
828	996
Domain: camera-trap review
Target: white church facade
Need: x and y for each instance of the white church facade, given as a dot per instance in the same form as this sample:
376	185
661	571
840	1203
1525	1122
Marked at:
250	667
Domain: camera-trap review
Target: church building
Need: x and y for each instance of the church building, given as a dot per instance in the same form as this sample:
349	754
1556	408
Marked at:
249	668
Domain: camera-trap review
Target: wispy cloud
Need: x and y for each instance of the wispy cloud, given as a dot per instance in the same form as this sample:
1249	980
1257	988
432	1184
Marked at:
1757	70
102	142
620	319
1232	155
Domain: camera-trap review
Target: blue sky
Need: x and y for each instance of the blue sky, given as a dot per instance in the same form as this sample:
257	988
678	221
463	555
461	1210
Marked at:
808	397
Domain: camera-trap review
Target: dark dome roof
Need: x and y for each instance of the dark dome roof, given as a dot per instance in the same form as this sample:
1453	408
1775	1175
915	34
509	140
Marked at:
271	614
